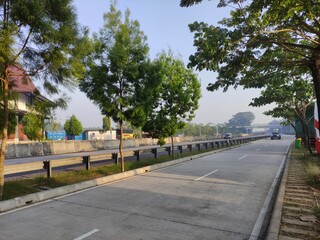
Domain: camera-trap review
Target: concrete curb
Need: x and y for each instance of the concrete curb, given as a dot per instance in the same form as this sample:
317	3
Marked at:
274	226
261	227
60	191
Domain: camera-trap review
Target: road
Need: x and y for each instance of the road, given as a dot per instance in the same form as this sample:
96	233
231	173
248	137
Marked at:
220	196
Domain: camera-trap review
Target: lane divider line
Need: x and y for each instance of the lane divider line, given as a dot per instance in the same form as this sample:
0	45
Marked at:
243	157
207	175
87	234
258	149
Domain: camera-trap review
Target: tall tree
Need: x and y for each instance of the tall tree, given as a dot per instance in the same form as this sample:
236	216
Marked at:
261	40
106	124
116	73
73	126
42	38
177	98
242	119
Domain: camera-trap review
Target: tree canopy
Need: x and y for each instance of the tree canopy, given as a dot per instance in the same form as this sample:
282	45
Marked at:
241	119
32	126
73	126
259	42
43	39
118	71
176	100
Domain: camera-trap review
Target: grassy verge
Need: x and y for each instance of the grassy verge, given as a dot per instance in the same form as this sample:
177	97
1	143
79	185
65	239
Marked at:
20	187
311	165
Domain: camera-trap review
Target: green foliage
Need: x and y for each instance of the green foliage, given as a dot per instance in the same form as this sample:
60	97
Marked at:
12	121
32	126
51	50
73	126
261	41
106	124
117	69
291	97
241	119
199	130
176	98
42	38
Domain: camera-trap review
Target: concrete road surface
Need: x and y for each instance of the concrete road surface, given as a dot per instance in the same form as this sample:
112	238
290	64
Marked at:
220	196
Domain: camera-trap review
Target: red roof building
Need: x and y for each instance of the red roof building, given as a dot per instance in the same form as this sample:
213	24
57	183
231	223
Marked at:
22	84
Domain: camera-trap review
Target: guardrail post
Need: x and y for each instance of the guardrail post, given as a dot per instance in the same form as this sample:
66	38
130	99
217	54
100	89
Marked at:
180	149
86	160
137	154
218	144
190	147
115	158
198	146
212	145
168	149
206	145
47	166
155	152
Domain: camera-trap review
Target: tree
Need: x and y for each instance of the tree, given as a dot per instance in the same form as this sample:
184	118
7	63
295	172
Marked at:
177	98
42	38
190	129
117	71
41	112
241	119
259	42
106	124
73	126
32	126
292	99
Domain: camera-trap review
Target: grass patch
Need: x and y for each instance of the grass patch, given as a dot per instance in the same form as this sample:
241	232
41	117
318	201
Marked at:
311	165
17	188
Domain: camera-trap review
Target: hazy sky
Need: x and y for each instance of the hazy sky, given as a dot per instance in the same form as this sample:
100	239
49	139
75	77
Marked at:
166	26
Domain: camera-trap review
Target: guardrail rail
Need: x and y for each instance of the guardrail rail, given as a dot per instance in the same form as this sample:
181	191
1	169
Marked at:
86	160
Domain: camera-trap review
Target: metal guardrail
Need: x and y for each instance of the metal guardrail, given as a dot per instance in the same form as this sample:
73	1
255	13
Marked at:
88	159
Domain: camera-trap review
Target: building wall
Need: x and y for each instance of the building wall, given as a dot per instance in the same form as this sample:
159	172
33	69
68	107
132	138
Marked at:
21	135
98	135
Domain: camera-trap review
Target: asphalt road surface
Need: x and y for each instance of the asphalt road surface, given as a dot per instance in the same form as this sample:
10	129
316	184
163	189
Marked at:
220	196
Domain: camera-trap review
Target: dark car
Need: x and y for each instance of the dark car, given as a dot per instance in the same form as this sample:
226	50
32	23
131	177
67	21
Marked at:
275	135
228	136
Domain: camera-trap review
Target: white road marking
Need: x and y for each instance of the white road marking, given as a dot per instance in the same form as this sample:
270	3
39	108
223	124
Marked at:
243	157
207	175
87	234
258	149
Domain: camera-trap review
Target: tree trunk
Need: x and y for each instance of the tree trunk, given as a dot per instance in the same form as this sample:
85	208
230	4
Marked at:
305	128
315	69
4	135
172	148
120	145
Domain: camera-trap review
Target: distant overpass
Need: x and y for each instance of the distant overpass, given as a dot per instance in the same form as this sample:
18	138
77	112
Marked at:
259	125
